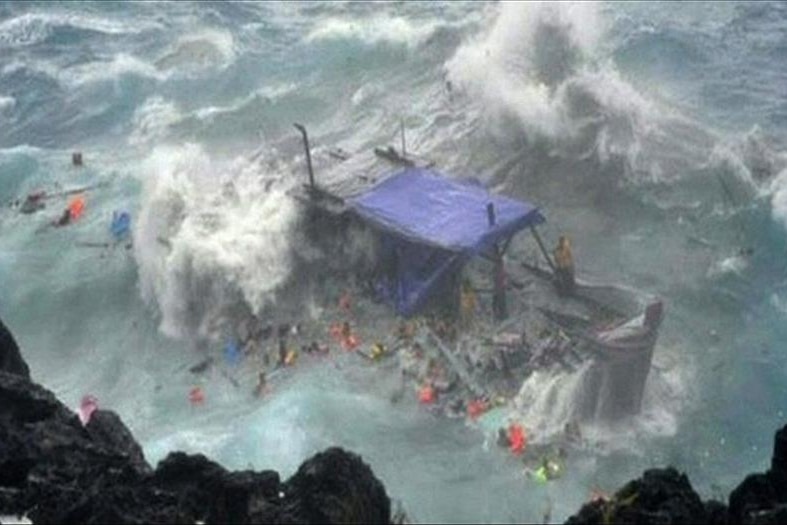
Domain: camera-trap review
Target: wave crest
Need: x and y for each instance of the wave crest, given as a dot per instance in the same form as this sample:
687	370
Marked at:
210	240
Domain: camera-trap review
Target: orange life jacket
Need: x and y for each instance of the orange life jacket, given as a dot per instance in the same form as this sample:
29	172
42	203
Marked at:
76	207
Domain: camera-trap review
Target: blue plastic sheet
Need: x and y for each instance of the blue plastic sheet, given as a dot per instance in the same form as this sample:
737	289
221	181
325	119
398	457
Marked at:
232	353
121	225
431	225
425	207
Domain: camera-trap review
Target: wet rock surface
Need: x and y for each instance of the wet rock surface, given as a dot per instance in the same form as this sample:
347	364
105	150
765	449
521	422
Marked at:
666	496
10	358
55	470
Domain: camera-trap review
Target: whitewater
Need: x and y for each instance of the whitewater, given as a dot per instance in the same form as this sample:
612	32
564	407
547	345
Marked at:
654	134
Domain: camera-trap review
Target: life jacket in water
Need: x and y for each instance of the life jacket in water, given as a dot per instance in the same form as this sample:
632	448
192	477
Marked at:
76	207
517	439
377	351
475	408
426	395
350	342
196	396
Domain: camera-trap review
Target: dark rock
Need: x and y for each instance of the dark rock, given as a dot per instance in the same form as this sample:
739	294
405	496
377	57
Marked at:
10	358
753	495
716	512
54	470
105	427
336	487
665	496
660	496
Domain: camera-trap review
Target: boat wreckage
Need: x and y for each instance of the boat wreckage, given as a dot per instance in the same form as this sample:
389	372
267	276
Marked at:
432	235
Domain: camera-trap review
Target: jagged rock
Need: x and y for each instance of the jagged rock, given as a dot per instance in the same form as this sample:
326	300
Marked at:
106	427
10	358
336	487
762	498
54	470
660	496
664	496
716	512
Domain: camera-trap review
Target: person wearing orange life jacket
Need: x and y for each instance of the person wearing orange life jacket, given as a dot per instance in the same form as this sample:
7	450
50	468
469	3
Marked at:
71	213
564	267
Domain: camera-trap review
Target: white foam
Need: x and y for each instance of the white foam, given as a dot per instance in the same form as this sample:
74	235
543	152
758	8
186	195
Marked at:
15	520
547	401
270	92
540	63
778	195
735	264
199	50
6	102
226	238
32	28
374	30
109	69
152	121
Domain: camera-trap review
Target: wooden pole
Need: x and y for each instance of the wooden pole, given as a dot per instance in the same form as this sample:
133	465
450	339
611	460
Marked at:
308	153
404	150
490	214
543	249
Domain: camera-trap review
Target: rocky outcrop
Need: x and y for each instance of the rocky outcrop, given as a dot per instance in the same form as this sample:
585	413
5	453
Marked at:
55	470
666	496
10	358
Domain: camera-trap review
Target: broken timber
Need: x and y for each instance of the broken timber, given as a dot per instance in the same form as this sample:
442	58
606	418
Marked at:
458	367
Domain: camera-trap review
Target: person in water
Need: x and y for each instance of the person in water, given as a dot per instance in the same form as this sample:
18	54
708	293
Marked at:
261	383
33	203
64	219
564	267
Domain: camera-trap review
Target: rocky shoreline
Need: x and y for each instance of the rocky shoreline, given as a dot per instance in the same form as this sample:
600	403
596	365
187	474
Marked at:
55	470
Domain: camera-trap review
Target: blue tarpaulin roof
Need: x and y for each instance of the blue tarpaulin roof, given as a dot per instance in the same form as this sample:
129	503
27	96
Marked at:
428	208
432	224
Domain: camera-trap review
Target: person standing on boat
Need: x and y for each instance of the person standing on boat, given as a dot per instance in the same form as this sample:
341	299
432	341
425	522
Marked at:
469	304
564	267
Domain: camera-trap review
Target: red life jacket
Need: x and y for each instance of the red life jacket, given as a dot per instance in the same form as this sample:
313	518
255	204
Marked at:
426	395
196	396
517	438
475	408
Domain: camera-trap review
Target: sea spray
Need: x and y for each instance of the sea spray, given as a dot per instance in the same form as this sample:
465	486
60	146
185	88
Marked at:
206	241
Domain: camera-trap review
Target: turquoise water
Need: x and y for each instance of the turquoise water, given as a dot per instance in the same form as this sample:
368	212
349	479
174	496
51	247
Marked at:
618	119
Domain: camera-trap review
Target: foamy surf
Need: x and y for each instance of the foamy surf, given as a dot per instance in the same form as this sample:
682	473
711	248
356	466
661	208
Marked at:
207	238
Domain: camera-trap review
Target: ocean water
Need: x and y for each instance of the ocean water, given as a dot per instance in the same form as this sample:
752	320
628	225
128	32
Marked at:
653	133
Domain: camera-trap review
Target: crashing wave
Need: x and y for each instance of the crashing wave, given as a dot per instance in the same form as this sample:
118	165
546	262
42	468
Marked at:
210	240
375	30
33	28
540	64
